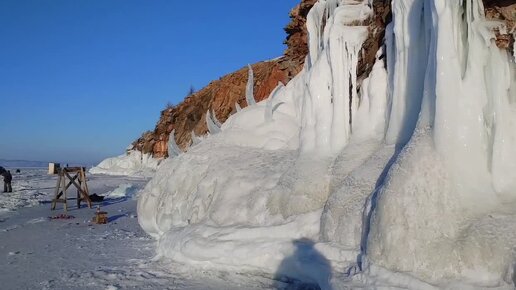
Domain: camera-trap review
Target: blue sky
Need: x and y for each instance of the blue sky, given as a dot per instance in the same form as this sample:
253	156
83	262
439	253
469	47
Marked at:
81	79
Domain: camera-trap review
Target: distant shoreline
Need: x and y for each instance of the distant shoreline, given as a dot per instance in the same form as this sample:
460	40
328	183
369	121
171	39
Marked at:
24	167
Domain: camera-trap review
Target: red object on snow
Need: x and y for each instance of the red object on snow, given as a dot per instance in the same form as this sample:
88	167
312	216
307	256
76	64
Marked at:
61	217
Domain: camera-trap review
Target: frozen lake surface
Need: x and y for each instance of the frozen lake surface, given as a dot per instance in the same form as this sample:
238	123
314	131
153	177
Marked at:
42	253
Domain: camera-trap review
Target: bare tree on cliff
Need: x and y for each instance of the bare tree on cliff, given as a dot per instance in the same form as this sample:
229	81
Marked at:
191	91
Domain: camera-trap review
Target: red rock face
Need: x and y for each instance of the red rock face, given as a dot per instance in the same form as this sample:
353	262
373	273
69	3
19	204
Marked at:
219	96
222	94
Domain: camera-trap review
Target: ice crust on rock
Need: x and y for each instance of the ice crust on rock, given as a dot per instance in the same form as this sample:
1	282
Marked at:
249	90
269	110
404	179
237	107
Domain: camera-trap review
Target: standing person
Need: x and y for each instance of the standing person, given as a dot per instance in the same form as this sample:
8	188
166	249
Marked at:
7	179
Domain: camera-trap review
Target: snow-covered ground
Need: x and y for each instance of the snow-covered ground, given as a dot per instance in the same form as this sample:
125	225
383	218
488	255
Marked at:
403	180
37	252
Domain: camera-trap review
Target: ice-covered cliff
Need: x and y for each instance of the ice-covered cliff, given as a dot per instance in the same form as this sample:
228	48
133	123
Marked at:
404	177
223	95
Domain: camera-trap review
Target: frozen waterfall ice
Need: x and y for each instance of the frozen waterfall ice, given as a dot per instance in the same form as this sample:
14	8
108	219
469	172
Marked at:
406	178
447	192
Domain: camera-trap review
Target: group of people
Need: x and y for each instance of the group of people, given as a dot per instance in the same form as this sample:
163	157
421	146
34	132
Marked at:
7	179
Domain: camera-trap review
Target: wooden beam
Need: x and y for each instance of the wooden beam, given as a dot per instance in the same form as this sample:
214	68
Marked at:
67	186
84	193
63	181
83	174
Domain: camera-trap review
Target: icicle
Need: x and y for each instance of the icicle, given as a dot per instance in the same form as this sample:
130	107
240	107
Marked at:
212	127
215	120
329	108
268	107
331	5
410	48
237	107
314	22
249	94
173	149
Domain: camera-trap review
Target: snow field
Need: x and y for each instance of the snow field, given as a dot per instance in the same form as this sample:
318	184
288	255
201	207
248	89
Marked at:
41	253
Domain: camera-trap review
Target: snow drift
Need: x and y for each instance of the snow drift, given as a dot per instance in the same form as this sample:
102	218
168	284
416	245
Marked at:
332	179
134	163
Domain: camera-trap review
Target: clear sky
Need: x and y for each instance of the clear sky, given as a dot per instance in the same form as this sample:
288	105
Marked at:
81	79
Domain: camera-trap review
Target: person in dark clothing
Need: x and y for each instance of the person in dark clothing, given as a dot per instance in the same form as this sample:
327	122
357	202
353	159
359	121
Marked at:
7	182
7	179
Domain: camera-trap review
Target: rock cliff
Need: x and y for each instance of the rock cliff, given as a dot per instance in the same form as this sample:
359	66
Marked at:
222	94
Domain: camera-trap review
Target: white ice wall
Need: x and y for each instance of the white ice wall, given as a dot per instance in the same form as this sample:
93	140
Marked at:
327	112
444	194
413	173
408	51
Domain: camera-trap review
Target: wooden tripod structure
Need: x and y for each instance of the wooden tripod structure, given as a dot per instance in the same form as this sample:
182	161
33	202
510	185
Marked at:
78	180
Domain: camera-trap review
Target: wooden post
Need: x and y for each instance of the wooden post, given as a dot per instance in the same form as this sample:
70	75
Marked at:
83	172
63	183
57	195
79	194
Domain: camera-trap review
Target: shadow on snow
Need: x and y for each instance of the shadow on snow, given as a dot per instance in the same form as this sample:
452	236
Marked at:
305	269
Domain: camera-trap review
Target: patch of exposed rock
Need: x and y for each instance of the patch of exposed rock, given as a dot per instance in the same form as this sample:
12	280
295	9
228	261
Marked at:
376	26
297	37
505	12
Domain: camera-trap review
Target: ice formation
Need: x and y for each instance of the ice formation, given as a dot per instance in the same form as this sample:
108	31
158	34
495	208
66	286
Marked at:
269	110
451	188
406	178
173	149
215	120
134	163
212	124
124	190
249	89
